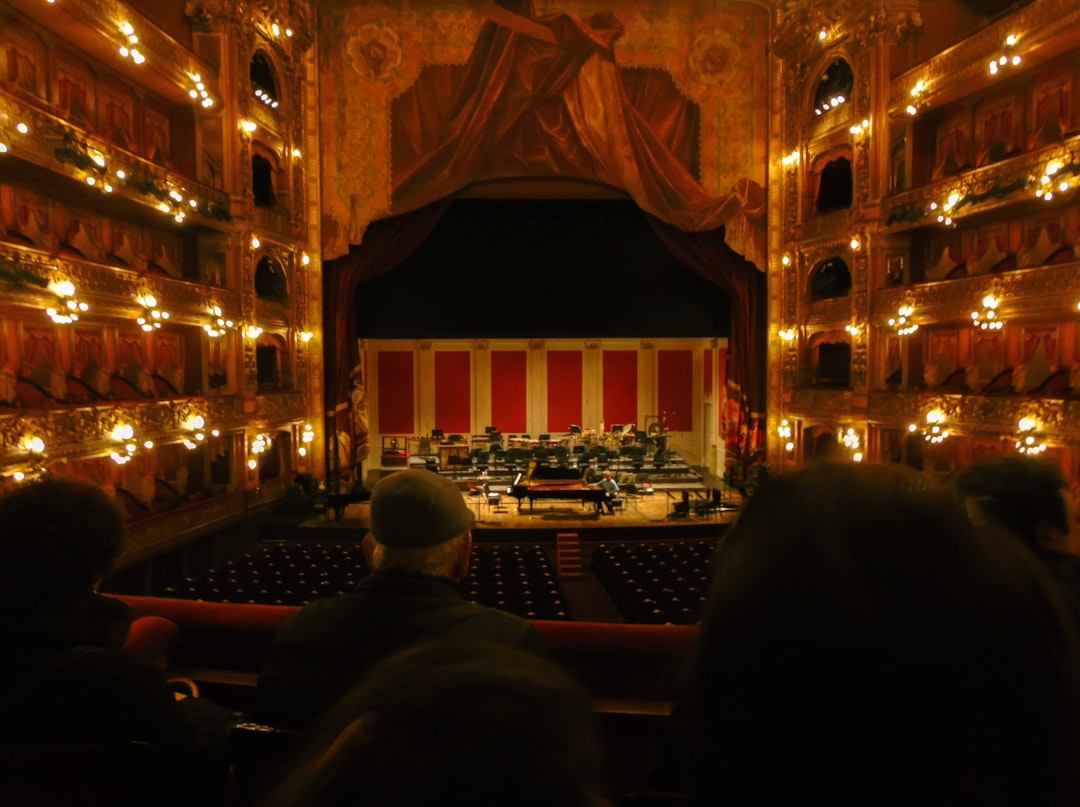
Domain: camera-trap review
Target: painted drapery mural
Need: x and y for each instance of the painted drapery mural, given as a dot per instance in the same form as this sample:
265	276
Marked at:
421	99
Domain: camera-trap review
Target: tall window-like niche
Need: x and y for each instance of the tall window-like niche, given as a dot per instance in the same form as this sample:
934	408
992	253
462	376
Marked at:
830	278
833	367
262	181
834	87
263	83
269	355
270	282
835	186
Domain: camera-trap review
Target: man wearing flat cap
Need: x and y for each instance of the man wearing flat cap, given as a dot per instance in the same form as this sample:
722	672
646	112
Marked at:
418	547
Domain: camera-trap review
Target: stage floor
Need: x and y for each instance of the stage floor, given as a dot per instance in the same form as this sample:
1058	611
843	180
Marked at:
643	511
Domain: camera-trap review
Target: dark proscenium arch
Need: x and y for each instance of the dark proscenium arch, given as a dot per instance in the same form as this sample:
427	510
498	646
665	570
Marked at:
504	268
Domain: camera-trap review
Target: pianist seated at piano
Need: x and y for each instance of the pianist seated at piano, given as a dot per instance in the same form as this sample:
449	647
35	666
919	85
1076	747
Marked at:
610	489
555	482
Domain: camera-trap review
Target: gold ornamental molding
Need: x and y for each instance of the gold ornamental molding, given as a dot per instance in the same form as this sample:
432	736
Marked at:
103	19
152	536
59	147
977	190
1024	292
279	408
988	415
810	403
801	24
85	431
1046	29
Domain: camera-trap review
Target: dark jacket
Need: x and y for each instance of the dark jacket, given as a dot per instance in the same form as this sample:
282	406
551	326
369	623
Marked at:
322	651
66	681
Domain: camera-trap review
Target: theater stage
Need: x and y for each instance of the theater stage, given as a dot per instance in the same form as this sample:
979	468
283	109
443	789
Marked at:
655	515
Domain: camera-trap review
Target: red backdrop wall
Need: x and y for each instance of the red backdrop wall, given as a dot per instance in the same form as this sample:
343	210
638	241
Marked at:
396	392
453	391
564	389
620	387
509	391
675	388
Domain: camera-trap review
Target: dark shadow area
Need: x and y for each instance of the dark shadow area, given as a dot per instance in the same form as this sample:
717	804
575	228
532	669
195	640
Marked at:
540	267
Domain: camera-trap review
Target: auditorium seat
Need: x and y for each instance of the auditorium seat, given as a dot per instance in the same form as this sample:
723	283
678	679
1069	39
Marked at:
655	583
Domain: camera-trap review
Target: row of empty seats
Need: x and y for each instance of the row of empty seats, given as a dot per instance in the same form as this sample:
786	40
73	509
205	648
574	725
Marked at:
517	579
655	583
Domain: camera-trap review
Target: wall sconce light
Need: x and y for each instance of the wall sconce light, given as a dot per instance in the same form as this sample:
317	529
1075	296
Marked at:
986	318
248	126
70	307
788	334
255	242
1029	437
784	431
252	331
306	336
151	317
934	431
218	324
124	433
902	322
916	95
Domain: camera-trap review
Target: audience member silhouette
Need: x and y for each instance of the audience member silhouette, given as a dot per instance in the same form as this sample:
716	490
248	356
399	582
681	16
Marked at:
65	680
1025	495
865	643
419	549
448	722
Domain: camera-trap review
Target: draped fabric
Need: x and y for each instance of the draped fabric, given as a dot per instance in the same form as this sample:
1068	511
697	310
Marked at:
709	255
541	98
387	243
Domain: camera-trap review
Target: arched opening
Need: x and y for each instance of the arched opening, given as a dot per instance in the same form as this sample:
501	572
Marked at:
270	282
830	278
835	186
262	181
263	82
834	87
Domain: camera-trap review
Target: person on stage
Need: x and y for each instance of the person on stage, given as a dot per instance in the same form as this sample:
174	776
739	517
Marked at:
611	492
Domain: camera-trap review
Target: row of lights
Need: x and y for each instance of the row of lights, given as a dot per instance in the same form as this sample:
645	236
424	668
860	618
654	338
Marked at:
128	49
70	306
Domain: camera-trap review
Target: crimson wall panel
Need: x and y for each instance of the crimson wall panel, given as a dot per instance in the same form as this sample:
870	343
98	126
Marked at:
396	392
620	387
564	389
509	391
675	388
453	391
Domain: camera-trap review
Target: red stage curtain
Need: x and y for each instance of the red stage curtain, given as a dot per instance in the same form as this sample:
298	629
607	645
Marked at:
564	389
387	243
708	255
509	390
453	391
545	97
620	386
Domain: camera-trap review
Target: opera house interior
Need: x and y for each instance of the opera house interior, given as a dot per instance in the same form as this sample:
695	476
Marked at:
255	257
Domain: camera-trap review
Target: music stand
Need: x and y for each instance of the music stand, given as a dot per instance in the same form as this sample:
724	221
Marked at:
575	429
437	434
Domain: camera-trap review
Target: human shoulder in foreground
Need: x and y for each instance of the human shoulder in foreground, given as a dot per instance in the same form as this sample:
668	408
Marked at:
418	549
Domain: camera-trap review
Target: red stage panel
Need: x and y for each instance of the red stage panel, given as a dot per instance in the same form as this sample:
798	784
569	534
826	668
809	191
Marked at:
453	391
509	391
675	388
620	387
564	389
396	398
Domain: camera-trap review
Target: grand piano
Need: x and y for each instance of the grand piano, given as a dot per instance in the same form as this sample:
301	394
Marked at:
550	482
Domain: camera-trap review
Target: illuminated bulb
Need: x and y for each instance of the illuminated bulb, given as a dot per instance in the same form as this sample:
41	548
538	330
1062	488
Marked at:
912	109
91	181
248	125
1015	60
3	148
296	153
148	444
255	242
305	336
18	476
288	32
1010	40
120	173
22	127
302	451
215	432
253	464
305	259
274	27
854	243
35	445
822	34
